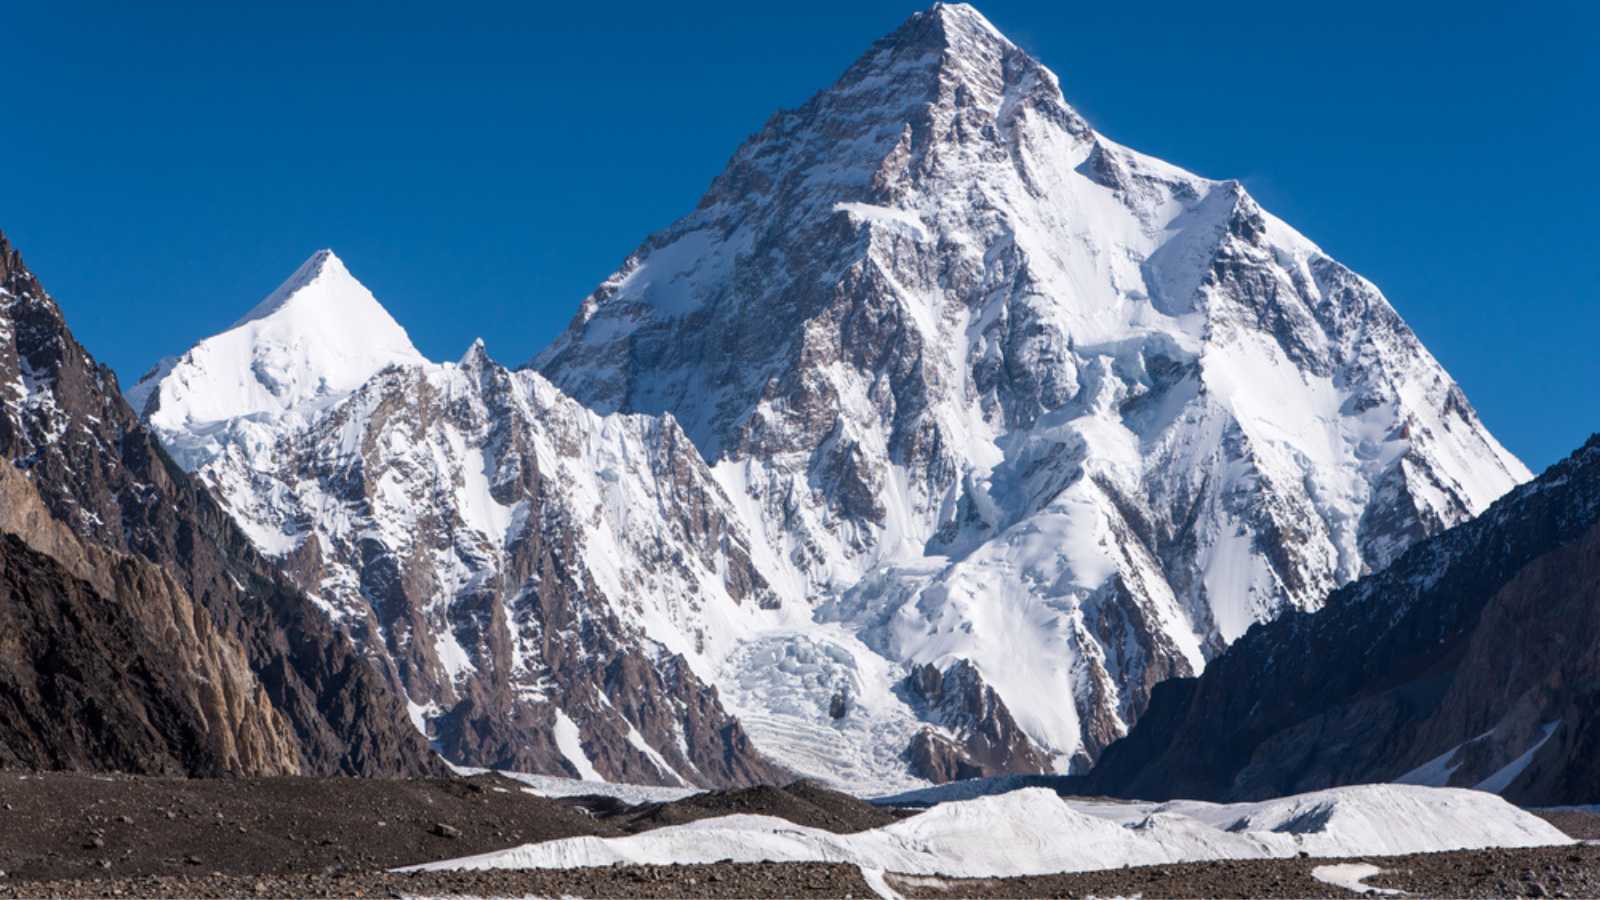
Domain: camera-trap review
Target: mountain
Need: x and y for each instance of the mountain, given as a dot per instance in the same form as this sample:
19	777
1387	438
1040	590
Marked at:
525	571
1470	662
316	338
993	388
965	426
143	631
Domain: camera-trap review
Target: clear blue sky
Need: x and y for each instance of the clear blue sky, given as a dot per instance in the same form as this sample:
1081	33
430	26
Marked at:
482	167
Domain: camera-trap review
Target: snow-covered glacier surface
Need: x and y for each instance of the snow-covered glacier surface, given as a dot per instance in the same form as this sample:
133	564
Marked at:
1034	831
938	433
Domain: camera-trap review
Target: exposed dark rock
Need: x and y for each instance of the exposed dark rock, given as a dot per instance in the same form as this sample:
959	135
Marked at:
537	637
1473	649
987	740
142	608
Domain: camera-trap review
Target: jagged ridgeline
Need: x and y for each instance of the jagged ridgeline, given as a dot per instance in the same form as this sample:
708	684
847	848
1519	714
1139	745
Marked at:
143	631
937	434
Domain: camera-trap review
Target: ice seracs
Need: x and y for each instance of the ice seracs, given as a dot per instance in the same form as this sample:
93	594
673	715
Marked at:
320	335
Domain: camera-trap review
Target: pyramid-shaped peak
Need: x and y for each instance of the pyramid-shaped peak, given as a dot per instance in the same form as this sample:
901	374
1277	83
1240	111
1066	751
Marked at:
323	304
320	335
955	27
323	266
945	57
965	18
476	357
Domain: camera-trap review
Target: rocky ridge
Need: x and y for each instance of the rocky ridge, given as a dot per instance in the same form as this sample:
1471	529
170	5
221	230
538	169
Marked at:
145	632
1469	662
529	573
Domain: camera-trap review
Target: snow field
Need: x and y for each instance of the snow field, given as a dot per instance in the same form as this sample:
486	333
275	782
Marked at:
1034	832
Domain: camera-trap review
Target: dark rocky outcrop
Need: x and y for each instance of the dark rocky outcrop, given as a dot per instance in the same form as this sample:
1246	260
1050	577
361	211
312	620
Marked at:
144	631
1473	661
983	739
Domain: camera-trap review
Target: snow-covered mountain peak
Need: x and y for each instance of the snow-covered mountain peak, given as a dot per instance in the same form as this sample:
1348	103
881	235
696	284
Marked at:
992	388
317	337
949	26
322	278
977	70
476	357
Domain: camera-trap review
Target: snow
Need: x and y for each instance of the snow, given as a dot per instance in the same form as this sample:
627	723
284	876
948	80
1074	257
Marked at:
667	278
479	507
1438	771
320	335
1502	779
1435	772
964	789
571	746
1034	831
639	743
419	714
632	794
781	687
870	213
452	656
1350	877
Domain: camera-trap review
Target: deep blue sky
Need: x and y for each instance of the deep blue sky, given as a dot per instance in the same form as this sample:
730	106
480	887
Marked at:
481	168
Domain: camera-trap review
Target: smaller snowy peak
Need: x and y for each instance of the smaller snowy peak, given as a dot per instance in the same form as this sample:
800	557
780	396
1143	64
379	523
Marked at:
476	357
323	264
320	335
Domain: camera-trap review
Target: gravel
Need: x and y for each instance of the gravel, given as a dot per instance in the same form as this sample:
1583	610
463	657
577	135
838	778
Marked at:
716	880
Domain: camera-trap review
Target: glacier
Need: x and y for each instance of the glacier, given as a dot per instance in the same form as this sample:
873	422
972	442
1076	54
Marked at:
1035	832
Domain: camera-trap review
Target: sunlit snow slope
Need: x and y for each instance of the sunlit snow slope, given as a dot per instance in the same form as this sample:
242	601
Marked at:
320	335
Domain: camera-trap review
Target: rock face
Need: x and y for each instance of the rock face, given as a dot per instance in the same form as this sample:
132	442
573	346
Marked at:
143	631
528	573
991	387
1472	662
984	739
509	555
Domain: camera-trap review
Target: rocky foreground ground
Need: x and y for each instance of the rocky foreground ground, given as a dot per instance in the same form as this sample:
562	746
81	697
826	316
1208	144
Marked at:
70	835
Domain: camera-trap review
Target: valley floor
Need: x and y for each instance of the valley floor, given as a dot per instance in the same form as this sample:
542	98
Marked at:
82	835
1537	872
